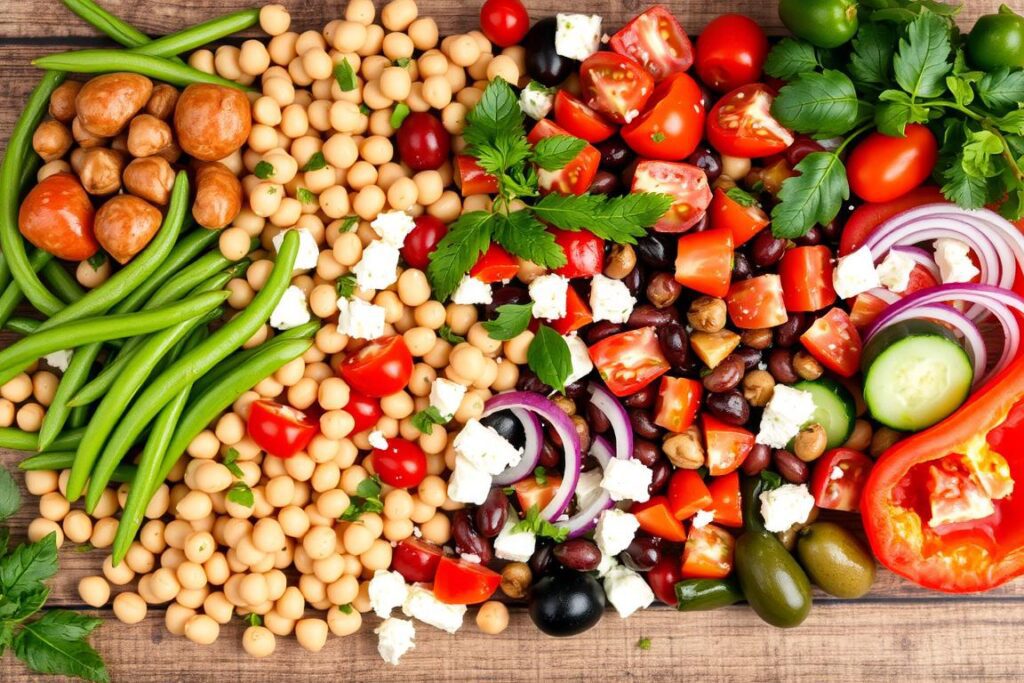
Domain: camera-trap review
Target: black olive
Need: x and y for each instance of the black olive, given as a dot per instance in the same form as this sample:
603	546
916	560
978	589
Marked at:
655	252
542	62
506	424
614	153
566	603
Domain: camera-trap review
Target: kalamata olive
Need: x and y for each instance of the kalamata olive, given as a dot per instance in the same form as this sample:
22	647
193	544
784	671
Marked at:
741	267
509	294
528	381
125	224
542	62
151	178
643	398
602	329
550	454
660	472
506	424
628	172
577	389
492	514
604	182
468	540
654	252
598	420
646	452
831	231
707	160
725	376
634	281
780	364
663	290
543	561
423	142
579	554
57	217
766	250
800	148
788	333
211	121
729	407
218	195
614	153
757	460
793	469
642	553
567	603
810	238
675	344
749	356
646	315
105	104
643	424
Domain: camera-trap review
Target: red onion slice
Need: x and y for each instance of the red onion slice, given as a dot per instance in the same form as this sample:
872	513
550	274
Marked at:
586	517
531	449
617	417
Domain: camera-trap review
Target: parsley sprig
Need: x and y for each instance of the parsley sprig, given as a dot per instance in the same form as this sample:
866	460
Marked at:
239	493
541	527
367	499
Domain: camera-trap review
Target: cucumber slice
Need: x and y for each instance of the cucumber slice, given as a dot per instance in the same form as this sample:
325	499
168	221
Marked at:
915	374
836	411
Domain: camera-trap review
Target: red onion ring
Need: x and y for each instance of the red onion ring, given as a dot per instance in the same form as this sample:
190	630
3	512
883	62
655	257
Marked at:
617	417
585	518
531	449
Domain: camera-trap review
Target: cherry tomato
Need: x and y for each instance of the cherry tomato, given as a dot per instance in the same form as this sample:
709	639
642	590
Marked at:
380	368
458	582
757	303
664	576
629	361
57	217
656	40
834	342
656	518
741	124
416	560
580	120
882	168
471	179
504	22
725	495
615	85
730	52
677	403
806	274
402	464
363	409
687	494
866	218
738	212
704	262
672	125
577	313
573	178
584	252
530	492
422	241
708	553
839	479
279	430
727	446
688	186
495	265
423	142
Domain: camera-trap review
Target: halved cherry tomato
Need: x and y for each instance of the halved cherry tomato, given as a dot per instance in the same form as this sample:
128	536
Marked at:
687	493
656	518
530	492
882	167
365	411
730	52
839	479
688	186
580	120
727	446
757	302
278	429
708	553
677	404
664	576
806	274
656	40
573	178
422	241
495	265
629	361
471	179
577	313
704	261
866	307
458	582
834	341
504	22
380	368
416	560
57	216
866	218
584	252
741	124
672	125
615	85
744	217
726	502
402	464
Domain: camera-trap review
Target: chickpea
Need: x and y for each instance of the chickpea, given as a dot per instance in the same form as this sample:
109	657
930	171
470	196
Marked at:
53	506
129	608
735	168
503	66
51	140
125	224
516	578
707	314
860	439
685	450
94	591
492	618
258	641
274	19
398	14
103	531
77	526
30	417
758	387
62	101
882	439
100	170
253	58
202	629
39	482
311	634
105	104
807	366
151	179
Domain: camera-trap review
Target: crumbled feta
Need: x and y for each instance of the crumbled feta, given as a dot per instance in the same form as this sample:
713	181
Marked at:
610	299
421	604
470	557
580	357
393	227
548	293
378	440
615	531
788	410
607	563
395	639
387	590
855	273
446	396
516	546
894	271
836	473
468	483
309	250
59	360
577	36
378	267
954	260
627	591
703	518
485	448
627	480
785	506
291	311
360	319
588	488
536	101
631	114
472	291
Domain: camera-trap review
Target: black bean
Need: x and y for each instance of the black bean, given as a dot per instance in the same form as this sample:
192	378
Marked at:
646	452
729	407
634	281
602	329
707	160
750	357
757	460
811	238
604	182
643	398
646	315
725	376
766	250
614	153
550	455
788	333
780	364
643	424
793	469
675	344
528	381
597	419
543	560
660	472
741	267
577	389
492	514
642	553
654	252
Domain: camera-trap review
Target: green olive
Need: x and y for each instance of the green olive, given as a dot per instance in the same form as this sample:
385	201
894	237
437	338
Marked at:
997	40
835	560
825	23
771	580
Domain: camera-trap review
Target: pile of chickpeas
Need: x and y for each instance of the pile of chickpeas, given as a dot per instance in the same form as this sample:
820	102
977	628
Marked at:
23	398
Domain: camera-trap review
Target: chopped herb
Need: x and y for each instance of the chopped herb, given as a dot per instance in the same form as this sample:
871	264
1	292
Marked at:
241	494
347	609
97	260
644	644
349	224
305	196
427	418
315	163
658	137
540	526
445	332
84	547
540	475
364	110
345	76
770	480
367	499
231	462
253	619
398	115
345	285
264	170
402	62
740	197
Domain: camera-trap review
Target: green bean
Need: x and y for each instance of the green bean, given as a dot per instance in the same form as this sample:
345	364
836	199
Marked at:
108	24
61	460
16	439
184	252
22	353
12	295
201	34
106	61
75	376
23	325
79	417
5	272
61	282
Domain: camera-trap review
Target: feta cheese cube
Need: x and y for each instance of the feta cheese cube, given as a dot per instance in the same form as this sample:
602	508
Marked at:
516	546
393	227
785	506
954	260
421	604
615	531
485	448
377	440
589	487
470	557
59	360
472	291
894	271
446	396
788	410
627	591
468	483
607	563
396	637
536	100
387	591
855	273
577	36
580	357
548	293
291	311
309	250
627	480
378	267
610	299
703	518
360	319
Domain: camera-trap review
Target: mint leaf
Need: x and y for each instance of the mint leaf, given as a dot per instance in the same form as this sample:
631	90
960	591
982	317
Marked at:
528	238
896	111
368	488
345	76
617	219
813	197
548	356
554	152
467	238
315	163
55	644
345	285
1002	90
241	494
264	170
445	332
398	115
823	104
26	605
23	569
10	498
871	59
427	418
791	57
367	499
922	61
512	320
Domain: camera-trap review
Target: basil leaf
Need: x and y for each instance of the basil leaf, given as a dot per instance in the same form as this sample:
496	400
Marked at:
553	153
512	320
10	498
548	356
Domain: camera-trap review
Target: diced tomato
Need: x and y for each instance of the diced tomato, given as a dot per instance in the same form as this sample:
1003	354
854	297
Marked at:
656	40
741	124
656	518
727	446
577	313
687	493
416	560
677	404
472	179
615	85
531	492
839	479
573	178
704	261
806	274
866	307
708	553
458	582
867	217
279	429
365	410
629	361
664	576
672	125
834	342
757	303
726	501
580	120
738	212
495	265
685	183
584	252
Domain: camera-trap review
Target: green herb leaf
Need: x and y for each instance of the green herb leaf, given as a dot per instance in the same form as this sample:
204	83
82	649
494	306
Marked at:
402	62
305	196
617	219
467	238
27	565
981	154
264	170
871	59
525	236
823	104
26	605
97	260
549	357
965	190
349	224
922	61
497	113
963	91
345	285
644	644
1011	123
315	163
741	197
253	619
56	644
512	320
5	540
445	332
427	418
790	58
533	522
241	494
1002	90
540	475
813	197
553	153
369	488
345	76
770	480
896	111
347	609
367	499
398	115
10	498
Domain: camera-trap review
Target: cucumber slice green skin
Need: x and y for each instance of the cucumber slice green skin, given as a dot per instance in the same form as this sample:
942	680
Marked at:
915	374
837	411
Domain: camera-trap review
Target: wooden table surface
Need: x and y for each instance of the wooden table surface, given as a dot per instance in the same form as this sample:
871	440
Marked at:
899	632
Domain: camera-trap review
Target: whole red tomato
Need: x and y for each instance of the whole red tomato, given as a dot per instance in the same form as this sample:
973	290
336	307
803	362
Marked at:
57	217
365	411
402	464
730	52
423	142
380	368
504	22
423	240
672	125
882	168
